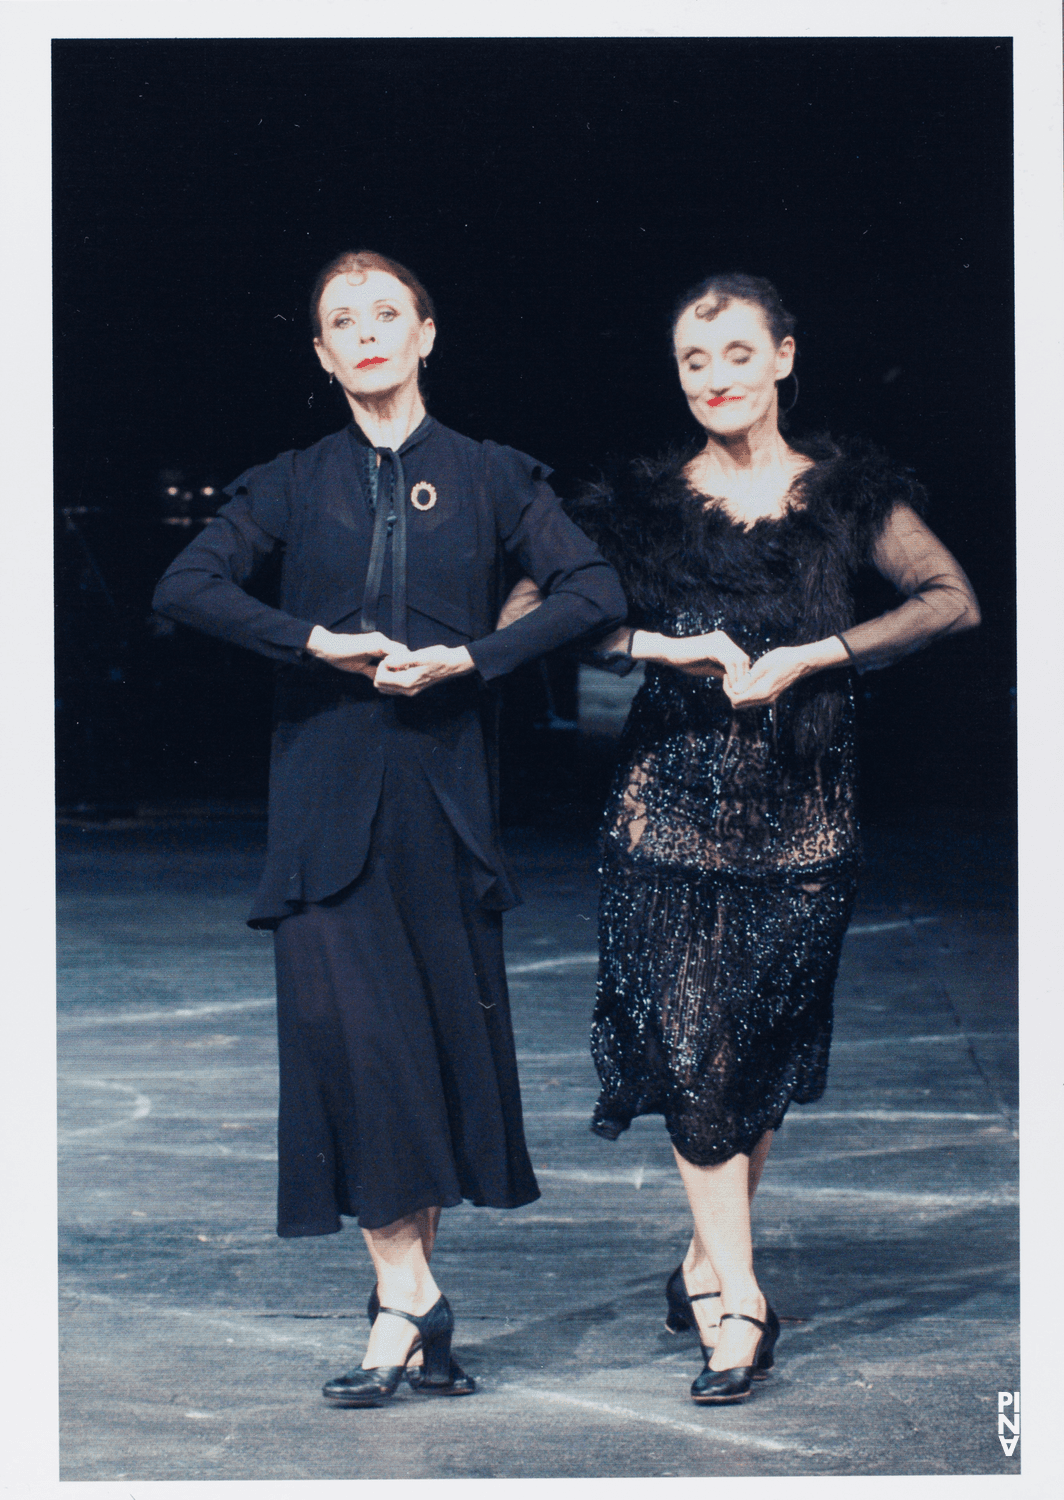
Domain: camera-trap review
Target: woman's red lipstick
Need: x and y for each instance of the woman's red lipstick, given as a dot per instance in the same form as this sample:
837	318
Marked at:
364	364
720	400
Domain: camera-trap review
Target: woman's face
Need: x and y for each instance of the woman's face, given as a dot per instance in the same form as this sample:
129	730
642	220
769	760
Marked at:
729	366
371	336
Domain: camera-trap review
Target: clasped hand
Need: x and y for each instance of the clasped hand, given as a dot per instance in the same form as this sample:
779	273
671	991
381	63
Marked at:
391	667
748	685
713	654
352	653
771	675
406	673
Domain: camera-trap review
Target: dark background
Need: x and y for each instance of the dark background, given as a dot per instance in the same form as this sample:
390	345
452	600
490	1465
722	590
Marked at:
554	196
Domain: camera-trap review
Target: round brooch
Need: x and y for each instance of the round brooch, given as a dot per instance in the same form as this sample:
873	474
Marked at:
423	488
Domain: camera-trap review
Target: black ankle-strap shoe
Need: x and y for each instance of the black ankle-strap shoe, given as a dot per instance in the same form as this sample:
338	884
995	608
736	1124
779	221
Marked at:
680	1315
458	1384
359	1387
725	1387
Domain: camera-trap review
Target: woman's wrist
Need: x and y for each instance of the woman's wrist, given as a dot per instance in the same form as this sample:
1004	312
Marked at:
817	656
461	661
647	645
317	640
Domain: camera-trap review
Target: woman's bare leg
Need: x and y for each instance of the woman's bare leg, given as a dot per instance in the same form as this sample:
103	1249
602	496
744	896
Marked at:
720	1256
428	1220
401	1252
758	1157
698	1272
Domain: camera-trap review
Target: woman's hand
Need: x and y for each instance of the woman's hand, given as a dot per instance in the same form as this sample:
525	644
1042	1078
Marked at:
352	653
408	673
522	599
712	655
776	671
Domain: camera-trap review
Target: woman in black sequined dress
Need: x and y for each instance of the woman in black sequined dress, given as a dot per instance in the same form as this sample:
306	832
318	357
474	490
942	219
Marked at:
730	849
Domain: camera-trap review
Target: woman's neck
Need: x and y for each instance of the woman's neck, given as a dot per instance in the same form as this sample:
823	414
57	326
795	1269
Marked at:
751	470
388	419
744	454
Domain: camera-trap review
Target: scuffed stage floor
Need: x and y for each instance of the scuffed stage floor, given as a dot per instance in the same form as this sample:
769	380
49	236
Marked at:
195	1342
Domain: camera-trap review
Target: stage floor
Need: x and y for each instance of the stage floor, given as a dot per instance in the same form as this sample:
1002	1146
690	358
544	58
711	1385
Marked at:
195	1343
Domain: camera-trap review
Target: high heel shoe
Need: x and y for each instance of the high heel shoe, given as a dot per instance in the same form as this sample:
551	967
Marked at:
680	1316
724	1387
458	1382
766	1356
359	1387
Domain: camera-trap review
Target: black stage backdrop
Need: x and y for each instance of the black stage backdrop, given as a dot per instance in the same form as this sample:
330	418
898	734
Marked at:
554	196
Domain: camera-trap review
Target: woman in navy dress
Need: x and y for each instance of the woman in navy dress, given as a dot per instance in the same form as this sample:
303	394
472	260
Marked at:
385	881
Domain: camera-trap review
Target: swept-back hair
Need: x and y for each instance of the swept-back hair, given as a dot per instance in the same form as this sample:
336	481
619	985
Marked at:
350	262
714	294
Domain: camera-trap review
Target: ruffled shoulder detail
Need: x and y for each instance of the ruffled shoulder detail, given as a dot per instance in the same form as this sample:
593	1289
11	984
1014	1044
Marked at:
855	481
656	532
639	513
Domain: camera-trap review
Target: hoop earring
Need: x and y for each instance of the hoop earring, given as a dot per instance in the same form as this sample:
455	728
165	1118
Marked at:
785	409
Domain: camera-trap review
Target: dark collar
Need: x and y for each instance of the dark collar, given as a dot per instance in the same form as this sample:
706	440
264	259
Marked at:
419	434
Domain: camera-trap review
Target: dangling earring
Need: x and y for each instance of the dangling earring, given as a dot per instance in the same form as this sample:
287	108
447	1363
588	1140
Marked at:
330	377
425	362
785	409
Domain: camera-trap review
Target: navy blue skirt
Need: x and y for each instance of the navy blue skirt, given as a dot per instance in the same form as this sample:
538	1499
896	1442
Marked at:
398	1076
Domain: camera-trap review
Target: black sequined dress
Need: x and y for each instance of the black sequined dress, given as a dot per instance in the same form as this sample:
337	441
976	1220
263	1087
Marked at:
731	843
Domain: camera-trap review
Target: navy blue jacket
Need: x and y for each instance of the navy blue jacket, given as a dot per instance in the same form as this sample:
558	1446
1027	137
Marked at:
332	729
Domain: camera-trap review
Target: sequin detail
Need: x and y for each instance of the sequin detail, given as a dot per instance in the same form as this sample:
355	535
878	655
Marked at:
731	841
729	876
714	1003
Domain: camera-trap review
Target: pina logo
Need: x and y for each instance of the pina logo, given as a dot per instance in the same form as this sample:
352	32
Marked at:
1007	1400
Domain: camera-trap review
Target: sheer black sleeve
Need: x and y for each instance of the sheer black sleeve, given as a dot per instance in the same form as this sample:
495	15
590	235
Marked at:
939	599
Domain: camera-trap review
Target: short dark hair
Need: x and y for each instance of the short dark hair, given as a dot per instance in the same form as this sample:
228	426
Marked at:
367	260
716	292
